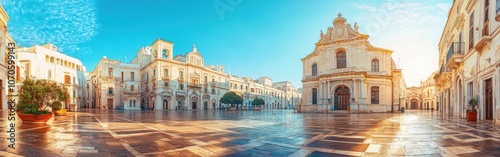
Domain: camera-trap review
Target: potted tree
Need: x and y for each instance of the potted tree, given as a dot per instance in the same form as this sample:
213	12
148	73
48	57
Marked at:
32	102
231	98
472	111
57	109
59	94
257	103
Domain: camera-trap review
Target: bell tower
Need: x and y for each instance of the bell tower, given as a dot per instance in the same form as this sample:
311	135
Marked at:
162	49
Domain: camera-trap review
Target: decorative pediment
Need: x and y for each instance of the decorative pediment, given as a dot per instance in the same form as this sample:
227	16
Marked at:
341	30
167	92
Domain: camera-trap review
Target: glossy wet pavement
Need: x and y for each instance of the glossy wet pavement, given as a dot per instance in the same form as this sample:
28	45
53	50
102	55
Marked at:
252	133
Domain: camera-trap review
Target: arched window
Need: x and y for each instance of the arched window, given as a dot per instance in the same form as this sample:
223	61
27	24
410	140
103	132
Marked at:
130	103
375	65
315	96
341	60
132	88
134	103
375	91
164	54
51	59
314	69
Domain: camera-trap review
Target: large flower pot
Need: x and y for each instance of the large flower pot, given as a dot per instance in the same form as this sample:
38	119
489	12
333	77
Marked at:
61	112
35	118
257	108
471	116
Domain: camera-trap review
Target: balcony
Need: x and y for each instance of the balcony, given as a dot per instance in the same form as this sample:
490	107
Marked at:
343	70
165	78
444	77
194	86
485	38
455	55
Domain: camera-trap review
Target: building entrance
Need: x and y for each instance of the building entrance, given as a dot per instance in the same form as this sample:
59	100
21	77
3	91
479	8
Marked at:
414	103
489	99
342	97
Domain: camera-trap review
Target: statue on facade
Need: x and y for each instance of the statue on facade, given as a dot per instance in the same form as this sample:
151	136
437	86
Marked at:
321	34
356	26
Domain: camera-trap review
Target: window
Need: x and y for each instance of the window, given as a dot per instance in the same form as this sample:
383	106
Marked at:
341	60
471	31
130	103
498	11
51	59
134	103
213	91
165	72
166	84
205	79
486	26
241	86
154	72
67	79
110	90
314	96
122	76
181	74
164	54
132	88
252	90
132	76
375	91
314	69
470	91
246	87
181	86
50	74
110	71
206	90
375	64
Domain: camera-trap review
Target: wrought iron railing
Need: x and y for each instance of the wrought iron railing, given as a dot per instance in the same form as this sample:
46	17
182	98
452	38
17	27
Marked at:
455	48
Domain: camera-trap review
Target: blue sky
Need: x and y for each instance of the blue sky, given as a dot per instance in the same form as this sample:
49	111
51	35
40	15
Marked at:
249	38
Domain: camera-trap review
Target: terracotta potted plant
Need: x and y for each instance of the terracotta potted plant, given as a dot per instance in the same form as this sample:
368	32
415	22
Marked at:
57	109
472	111
32	102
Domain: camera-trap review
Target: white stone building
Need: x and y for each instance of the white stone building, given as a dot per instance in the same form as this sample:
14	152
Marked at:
346	72
5	39
155	79
469	59
45	62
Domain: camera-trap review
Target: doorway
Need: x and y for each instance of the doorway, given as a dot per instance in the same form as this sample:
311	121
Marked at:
489	99
205	105
110	104
414	104
193	105
165	104
342	97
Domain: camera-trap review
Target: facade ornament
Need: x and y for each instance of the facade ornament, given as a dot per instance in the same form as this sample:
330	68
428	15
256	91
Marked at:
321	34
356	26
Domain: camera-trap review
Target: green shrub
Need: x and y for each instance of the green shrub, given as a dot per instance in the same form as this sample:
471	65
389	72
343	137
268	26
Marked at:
34	110
56	105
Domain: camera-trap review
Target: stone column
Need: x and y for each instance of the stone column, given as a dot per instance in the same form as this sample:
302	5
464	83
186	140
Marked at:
319	93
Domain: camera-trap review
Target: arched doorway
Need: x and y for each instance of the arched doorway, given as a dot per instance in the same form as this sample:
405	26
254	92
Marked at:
342	97
205	105
165	104
414	103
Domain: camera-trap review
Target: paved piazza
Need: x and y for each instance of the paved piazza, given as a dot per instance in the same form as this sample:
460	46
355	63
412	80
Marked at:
252	133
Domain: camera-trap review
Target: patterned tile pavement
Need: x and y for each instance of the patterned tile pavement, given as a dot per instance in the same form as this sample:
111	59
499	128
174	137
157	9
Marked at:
252	133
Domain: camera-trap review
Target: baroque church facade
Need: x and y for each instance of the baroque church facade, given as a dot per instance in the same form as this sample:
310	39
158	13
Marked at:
345	72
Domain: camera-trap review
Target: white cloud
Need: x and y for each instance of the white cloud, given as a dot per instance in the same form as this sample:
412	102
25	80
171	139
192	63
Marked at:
67	24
